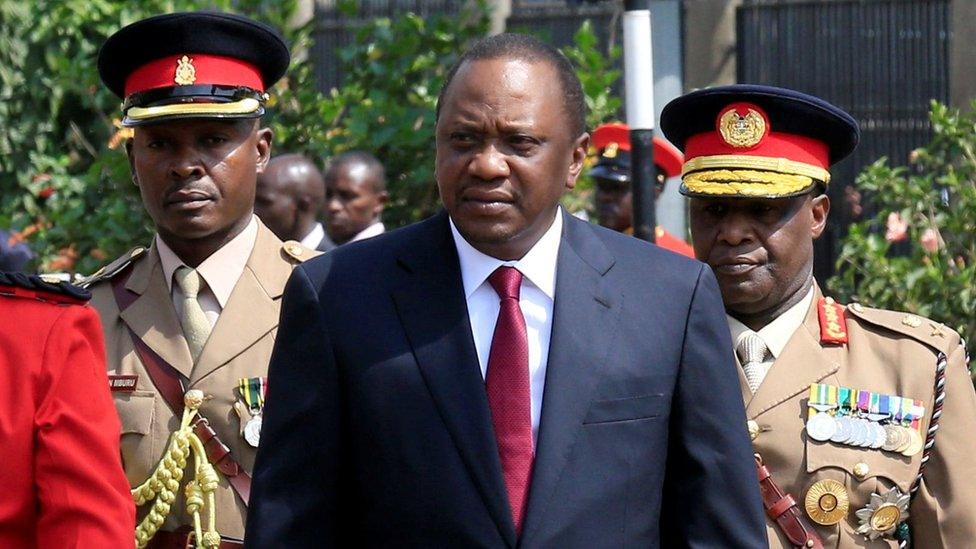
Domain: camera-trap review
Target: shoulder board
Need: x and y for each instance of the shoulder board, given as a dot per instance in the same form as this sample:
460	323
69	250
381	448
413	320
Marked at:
295	252
113	268
933	334
833	325
43	288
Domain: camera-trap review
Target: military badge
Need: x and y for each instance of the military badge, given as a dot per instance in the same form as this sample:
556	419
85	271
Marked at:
827	502
253	391
882	515
742	131
186	73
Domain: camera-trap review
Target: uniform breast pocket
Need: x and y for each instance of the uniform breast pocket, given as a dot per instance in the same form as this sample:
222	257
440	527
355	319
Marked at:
626	409
136	413
840	482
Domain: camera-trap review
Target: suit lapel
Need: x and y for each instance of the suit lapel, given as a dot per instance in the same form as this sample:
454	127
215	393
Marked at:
583	310
152	316
808	363
431	305
252	309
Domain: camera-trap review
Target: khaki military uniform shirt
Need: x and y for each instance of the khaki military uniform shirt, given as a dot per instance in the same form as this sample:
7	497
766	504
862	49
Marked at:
239	346
889	353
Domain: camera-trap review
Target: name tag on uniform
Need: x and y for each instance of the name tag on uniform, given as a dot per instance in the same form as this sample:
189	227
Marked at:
122	383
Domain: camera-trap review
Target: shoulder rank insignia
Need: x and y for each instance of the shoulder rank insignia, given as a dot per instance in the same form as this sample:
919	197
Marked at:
113	268
833	325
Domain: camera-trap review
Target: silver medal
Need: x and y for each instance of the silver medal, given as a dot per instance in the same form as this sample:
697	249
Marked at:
821	427
252	431
844	430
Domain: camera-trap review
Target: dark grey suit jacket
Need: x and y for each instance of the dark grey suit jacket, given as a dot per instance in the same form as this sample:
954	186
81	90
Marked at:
377	430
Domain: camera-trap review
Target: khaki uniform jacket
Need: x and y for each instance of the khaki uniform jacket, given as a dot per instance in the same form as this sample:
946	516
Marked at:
889	353
239	346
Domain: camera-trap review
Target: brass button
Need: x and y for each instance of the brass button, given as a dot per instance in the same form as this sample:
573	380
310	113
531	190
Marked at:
861	470
753	429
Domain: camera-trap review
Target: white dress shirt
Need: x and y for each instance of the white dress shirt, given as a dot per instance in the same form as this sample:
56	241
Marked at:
777	333
314	238
220	272
536	299
375	229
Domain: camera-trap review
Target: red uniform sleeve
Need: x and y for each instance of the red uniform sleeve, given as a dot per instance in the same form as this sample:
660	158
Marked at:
82	491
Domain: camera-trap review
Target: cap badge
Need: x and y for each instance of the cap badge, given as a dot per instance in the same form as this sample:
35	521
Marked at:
742	131
611	150
186	73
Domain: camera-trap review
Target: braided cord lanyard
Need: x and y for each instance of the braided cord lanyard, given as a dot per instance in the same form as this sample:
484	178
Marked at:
162	485
940	380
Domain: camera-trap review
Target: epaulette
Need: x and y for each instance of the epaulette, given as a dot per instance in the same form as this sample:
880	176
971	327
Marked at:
933	334
295	252
41	288
113	268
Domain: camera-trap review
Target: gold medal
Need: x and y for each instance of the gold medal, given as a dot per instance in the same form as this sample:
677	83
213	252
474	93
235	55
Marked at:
827	502
915	445
883	514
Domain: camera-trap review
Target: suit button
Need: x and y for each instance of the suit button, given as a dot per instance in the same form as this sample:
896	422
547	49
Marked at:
861	470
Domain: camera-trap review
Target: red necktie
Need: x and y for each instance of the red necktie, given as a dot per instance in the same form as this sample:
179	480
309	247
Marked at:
507	384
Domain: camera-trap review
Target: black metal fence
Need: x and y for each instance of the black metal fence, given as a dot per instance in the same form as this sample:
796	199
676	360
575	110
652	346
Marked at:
551	20
880	60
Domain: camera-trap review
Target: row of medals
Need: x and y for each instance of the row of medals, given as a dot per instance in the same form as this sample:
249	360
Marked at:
863	432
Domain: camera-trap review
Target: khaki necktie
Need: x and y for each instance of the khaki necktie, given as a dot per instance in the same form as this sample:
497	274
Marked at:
196	326
752	350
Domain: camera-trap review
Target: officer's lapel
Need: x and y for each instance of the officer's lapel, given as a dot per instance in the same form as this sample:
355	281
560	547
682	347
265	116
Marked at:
430	301
252	309
584	319
152	316
802	362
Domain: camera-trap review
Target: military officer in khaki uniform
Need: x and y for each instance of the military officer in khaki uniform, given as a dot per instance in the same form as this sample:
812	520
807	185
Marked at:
190	322
862	419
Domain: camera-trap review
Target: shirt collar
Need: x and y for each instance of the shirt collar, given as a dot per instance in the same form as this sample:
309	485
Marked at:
373	230
314	238
222	269
777	333
538	265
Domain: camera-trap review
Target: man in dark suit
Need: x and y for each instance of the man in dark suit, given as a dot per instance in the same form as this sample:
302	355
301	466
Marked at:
503	374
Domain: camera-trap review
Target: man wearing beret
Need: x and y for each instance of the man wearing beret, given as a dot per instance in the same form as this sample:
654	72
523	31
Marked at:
493	376
862	419
611	173
63	484
190	322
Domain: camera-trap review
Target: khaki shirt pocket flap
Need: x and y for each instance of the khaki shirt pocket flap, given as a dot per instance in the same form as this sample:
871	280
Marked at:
135	411
862	463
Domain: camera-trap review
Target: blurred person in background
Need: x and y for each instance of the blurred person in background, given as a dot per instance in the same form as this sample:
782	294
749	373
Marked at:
355	195
611	174
290	195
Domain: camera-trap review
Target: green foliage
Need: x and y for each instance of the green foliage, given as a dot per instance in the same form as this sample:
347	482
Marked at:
64	177
394	71
60	135
933	272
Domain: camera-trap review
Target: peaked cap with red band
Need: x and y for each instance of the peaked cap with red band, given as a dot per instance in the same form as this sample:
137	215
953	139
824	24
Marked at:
612	142
192	65
756	141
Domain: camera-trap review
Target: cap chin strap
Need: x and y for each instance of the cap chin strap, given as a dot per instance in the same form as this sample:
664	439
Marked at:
242	107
